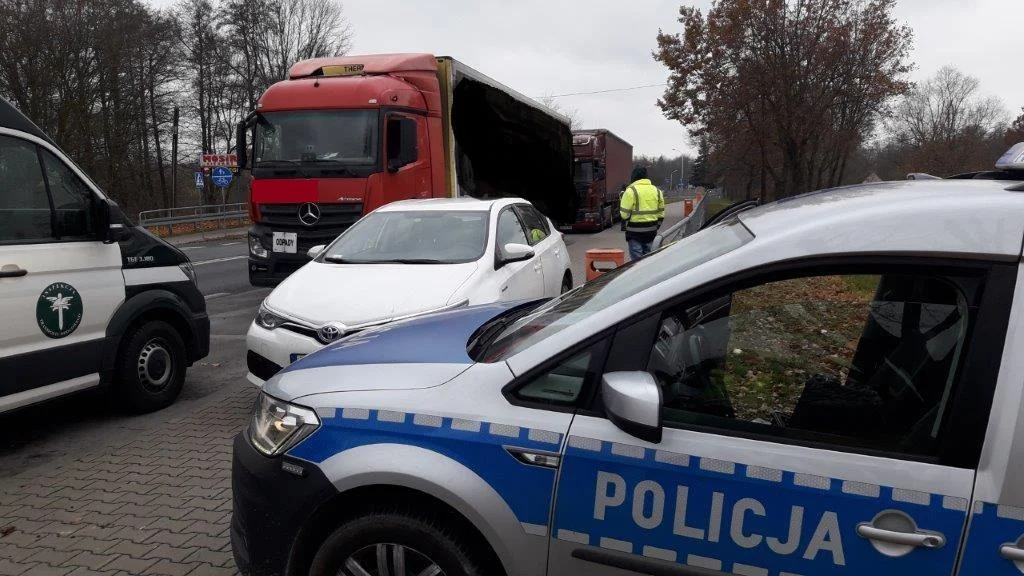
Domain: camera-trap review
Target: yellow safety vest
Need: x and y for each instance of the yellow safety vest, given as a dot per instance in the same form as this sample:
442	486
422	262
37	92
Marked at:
642	206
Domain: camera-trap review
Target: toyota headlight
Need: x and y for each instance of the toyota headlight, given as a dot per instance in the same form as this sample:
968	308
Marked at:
277	425
267	320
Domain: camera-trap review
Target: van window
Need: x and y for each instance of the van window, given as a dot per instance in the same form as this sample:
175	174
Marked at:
25	216
72	200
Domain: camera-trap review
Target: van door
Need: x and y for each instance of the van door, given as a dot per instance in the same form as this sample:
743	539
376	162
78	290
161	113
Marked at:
812	425
59	285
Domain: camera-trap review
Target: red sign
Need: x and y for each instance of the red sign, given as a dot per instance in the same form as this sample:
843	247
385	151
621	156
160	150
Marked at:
213	160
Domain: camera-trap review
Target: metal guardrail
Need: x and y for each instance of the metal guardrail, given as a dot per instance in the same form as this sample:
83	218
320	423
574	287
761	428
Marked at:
684	227
169	221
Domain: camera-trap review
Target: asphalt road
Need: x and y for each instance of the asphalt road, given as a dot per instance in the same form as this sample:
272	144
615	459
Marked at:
91	421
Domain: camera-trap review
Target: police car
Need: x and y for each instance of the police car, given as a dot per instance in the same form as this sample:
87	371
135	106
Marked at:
828	384
86	298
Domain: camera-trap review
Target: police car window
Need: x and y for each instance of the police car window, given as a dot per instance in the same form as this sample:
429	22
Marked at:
612	287
24	204
562	384
863	361
510	231
72	199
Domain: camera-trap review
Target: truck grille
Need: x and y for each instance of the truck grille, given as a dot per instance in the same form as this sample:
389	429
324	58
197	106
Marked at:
332	216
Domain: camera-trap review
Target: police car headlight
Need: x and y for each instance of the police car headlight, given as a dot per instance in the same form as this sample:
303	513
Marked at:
267	319
277	426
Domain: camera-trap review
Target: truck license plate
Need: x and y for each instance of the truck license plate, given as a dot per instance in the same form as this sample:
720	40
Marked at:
286	242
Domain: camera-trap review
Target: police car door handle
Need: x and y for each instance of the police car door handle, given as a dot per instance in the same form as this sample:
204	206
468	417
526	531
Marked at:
914	539
12	271
1012	552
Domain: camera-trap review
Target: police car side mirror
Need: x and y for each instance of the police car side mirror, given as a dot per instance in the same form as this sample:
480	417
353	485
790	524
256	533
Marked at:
633	403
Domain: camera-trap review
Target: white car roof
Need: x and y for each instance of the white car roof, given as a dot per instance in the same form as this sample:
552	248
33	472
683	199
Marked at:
969	218
449	204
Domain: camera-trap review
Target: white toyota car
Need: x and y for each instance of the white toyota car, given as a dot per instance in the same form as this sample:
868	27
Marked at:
406	259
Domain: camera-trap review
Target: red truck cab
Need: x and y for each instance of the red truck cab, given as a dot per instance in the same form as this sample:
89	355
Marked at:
341	137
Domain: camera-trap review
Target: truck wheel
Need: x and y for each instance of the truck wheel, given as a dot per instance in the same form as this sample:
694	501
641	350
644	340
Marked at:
151	367
397	543
607	220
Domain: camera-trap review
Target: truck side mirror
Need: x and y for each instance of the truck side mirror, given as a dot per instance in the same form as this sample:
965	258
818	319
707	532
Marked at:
240	145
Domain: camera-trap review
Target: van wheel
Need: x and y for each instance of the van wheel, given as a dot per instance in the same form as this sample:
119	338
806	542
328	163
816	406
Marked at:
395	543
566	283
151	367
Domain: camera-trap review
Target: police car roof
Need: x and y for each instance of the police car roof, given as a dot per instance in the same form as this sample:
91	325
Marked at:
449	204
13	119
979	218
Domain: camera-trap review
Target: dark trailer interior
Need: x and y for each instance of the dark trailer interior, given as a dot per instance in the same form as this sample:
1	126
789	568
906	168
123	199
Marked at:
506	144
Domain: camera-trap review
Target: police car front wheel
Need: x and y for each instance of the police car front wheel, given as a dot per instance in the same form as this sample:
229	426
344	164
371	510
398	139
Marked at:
395	543
151	367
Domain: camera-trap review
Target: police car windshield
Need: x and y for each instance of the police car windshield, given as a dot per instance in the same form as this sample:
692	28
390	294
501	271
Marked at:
412	237
617	285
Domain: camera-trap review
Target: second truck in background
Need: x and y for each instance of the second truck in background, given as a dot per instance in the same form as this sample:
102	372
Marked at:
601	168
342	136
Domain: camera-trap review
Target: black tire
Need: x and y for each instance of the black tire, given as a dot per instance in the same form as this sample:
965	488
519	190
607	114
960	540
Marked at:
150	367
423	536
610	220
566	283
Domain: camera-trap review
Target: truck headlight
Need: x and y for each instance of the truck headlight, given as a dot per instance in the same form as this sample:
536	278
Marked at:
267	320
256	247
276	425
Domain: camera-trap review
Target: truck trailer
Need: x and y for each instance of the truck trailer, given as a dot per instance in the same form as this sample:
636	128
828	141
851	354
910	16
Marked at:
601	168
342	136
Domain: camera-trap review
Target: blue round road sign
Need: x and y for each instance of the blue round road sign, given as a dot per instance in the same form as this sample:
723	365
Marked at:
221	177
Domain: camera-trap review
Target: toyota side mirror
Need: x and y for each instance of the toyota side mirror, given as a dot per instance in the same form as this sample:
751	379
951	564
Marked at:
513	252
633	403
316	250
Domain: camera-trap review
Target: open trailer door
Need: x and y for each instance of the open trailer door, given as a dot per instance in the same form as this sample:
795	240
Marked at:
501	143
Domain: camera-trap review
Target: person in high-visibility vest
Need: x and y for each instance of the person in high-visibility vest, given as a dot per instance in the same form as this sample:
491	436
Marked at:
642	208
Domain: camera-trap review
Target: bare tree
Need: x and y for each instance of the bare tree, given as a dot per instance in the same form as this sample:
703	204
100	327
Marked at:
946	126
573	114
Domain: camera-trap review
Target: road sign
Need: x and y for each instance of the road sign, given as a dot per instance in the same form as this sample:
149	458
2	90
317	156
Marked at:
221	177
199	179
213	160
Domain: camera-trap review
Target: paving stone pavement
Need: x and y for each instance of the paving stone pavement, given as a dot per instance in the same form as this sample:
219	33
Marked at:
159	503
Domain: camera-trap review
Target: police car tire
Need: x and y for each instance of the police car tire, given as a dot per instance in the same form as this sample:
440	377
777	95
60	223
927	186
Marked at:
426	534
131	392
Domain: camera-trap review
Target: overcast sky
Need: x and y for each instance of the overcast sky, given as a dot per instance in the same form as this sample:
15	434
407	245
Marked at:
550	47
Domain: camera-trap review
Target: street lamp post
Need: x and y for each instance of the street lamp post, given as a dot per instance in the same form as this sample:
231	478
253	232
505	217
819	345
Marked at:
671	176
682	165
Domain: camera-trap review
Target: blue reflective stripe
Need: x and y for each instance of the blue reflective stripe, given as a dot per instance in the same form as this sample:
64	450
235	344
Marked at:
990	527
737	518
480	446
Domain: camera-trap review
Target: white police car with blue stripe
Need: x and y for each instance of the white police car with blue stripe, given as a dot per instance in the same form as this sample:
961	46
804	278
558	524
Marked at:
824	385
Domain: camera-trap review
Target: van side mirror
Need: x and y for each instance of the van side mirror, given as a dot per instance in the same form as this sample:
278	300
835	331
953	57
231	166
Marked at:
402	147
111	225
633	402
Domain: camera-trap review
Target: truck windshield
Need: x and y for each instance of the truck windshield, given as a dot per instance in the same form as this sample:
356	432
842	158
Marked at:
412	237
614	286
584	172
315	136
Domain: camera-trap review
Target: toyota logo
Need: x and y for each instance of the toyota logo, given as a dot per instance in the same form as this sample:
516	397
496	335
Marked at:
309	214
330	332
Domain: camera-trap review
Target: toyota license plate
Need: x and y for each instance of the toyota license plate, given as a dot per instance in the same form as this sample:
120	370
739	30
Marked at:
286	242
295	357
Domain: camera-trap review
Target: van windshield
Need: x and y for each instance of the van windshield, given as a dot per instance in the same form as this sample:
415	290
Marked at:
617	285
